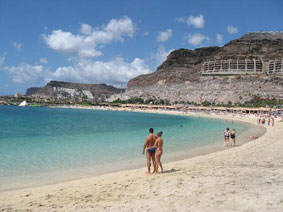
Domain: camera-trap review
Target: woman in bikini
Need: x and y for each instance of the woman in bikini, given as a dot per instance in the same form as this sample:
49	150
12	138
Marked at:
159	151
233	137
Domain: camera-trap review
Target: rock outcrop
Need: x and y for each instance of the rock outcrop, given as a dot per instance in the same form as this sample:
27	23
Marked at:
75	91
32	90
180	78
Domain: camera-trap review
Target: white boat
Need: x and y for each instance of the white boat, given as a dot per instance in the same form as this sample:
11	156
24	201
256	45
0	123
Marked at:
23	104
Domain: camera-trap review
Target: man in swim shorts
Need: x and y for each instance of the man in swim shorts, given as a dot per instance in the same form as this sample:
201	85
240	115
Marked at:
150	153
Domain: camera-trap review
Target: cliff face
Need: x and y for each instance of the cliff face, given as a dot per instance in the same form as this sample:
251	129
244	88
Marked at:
77	91
181	65
180	76
265	45
31	91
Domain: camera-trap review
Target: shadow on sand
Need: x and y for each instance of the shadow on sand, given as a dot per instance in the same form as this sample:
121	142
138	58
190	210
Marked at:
170	171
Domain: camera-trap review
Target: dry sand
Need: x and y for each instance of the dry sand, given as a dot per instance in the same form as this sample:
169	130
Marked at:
244	178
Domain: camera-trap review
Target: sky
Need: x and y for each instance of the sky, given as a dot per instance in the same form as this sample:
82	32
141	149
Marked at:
111	41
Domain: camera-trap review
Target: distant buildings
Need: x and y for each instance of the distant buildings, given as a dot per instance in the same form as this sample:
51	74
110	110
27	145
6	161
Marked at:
247	66
3	102
18	95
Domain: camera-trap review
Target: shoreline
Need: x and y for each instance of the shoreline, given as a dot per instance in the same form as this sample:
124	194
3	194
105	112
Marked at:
205	149
260	132
188	154
82	184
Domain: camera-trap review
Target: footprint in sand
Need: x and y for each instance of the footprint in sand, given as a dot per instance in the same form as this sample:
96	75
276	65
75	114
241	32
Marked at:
27	195
88	196
48	196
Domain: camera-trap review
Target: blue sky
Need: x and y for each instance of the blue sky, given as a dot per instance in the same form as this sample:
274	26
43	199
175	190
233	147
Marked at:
114	41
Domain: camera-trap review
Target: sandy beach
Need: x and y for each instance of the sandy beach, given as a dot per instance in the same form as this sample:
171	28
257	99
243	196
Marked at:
244	178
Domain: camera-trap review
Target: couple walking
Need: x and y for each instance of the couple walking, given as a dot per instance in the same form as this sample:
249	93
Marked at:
227	135
153	146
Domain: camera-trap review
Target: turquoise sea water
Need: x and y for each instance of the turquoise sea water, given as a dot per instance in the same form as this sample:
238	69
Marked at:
43	145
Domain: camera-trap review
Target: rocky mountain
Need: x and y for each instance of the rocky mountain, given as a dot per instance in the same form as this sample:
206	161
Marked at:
245	67
75	91
32	90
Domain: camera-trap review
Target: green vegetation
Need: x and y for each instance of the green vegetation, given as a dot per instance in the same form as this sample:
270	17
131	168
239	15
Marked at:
255	102
129	101
87	103
259	102
138	100
207	103
182	102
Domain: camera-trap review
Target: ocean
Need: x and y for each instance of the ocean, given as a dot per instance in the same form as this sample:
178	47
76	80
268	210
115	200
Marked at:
41	145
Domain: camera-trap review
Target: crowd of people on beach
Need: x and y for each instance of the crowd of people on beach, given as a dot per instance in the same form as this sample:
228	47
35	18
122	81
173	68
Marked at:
263	119
266	119
153	147
154	143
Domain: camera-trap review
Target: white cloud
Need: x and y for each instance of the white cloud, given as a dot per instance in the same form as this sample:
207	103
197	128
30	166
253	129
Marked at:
181	19
85	44
2	59
145	34
18	46
67	43
219	38
161	55
198	39
111	72
164	36
120	27
196	21
232	29
43	60
86	29
26	73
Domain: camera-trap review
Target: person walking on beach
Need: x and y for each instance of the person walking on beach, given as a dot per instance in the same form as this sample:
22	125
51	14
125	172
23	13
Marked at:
158	145
233	137
263	121
226	137
272	121
259	120
150	152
